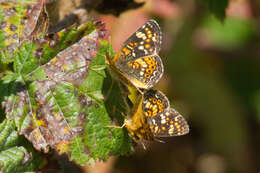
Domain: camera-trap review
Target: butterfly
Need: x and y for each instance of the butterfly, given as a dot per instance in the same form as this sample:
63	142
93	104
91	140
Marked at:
152	117
137	62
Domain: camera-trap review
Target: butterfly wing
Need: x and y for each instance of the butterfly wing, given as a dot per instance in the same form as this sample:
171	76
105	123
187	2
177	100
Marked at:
169	123
154	103
138	58
145	41
163	120
143	72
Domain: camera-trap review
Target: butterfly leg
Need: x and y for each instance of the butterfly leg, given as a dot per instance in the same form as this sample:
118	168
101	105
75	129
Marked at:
116	127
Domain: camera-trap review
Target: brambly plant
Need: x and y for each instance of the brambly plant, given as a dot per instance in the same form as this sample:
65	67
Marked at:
52	91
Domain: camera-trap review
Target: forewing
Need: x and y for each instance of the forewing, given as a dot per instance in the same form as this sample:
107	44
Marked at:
143	72
146	41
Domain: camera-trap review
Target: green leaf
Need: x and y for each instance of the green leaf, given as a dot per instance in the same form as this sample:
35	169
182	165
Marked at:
117	109
18	159
8	135
217	7
13	158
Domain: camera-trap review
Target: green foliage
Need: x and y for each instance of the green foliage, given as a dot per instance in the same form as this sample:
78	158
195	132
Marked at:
77	103
15	158
232	33
54	96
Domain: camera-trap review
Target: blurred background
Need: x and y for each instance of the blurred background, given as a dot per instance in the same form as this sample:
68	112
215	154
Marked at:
212	77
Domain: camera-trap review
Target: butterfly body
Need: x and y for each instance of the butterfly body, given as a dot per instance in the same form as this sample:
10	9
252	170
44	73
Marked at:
136	123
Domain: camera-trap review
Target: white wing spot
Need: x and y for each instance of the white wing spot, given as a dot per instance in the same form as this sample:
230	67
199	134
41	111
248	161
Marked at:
141	47
163	121
147	105
170	131
162	116
154	39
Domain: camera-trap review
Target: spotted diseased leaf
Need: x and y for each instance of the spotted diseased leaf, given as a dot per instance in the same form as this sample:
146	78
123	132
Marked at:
34	53
20	21
60	105
37	108
51	44
13	158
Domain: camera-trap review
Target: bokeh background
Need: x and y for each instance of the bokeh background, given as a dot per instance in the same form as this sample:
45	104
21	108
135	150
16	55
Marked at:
212	77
